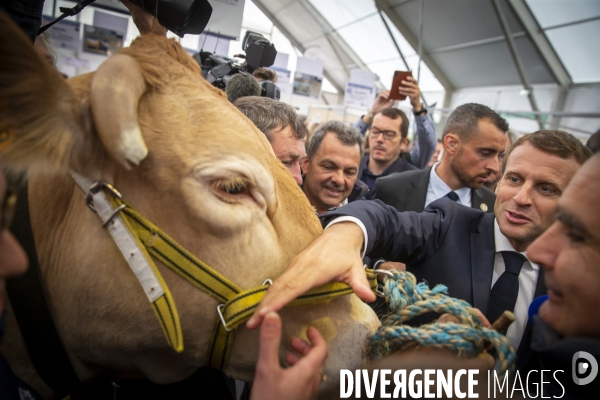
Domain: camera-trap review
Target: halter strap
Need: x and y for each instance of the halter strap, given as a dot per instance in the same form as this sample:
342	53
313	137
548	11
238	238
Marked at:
139	239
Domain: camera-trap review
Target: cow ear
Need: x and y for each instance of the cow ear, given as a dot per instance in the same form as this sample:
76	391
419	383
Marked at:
39	112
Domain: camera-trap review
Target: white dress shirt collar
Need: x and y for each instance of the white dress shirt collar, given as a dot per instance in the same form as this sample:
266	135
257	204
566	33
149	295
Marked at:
502	244
441	189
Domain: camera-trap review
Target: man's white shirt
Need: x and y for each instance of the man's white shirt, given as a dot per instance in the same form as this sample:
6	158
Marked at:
527	278
437	188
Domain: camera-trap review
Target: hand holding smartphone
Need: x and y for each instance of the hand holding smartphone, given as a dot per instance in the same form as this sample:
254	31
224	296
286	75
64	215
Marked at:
399	76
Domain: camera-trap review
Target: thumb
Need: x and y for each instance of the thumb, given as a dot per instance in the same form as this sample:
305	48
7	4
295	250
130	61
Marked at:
270	339
360	284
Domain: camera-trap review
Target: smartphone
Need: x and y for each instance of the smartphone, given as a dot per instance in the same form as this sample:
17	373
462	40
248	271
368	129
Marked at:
399	76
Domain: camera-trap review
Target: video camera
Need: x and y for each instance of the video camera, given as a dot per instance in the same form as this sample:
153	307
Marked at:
259	53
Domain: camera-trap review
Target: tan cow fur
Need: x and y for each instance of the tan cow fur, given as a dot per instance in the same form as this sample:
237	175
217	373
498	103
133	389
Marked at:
199	145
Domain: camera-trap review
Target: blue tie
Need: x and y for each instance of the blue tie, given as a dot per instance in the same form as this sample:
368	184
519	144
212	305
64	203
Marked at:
452	196
506	289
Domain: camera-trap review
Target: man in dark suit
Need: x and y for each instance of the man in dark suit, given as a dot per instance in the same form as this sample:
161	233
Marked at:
474	141
480	257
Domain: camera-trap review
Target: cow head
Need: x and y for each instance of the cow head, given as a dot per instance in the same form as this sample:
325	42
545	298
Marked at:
183	156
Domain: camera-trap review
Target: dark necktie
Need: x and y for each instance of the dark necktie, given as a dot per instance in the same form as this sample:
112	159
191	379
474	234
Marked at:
506	289
452	196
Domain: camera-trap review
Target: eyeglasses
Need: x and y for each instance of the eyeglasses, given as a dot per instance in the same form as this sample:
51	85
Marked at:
8	208
389	135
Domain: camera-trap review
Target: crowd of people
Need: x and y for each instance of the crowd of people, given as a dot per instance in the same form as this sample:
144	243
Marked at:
498	218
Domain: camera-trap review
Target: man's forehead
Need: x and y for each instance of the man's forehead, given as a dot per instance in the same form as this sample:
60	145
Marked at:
380	121
528	159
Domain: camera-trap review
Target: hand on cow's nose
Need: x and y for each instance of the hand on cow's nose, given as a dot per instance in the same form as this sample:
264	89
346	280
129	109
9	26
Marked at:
338	248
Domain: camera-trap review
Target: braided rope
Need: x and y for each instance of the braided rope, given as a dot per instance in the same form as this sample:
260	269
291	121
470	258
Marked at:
407	299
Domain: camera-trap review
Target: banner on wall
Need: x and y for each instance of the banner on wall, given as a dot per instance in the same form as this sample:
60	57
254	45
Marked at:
65	34
308	78
307	85
101	41
360	89
284	77
359	96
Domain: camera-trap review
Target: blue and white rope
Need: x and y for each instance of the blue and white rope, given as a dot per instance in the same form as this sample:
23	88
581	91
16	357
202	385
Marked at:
407	299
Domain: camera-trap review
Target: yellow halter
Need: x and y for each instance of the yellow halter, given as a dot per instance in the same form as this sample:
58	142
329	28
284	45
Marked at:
235	305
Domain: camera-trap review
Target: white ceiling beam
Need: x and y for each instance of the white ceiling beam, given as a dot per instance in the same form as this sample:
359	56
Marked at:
336	43
541	42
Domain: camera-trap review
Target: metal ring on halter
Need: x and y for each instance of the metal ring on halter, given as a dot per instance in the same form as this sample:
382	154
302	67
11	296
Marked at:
269	281
95	188
383	272
115	212
222	318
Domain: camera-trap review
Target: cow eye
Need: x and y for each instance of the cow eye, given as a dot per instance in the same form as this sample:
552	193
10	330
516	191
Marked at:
234	186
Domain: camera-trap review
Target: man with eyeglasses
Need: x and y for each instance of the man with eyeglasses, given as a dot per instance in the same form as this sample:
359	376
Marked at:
387	139
424	139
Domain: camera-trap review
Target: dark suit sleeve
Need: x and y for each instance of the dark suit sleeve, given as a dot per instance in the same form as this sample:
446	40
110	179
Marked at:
406	237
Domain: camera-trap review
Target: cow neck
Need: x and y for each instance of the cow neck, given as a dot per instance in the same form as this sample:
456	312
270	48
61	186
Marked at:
139	240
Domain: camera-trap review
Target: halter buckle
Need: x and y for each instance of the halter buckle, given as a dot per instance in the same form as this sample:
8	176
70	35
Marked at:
222	318
95	188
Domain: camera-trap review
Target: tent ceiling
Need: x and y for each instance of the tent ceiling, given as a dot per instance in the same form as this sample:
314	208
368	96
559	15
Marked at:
463	44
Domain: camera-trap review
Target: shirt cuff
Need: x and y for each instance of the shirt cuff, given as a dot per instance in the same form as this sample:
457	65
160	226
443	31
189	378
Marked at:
360	225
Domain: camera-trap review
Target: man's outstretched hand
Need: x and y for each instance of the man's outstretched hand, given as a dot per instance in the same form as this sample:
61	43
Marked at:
334	256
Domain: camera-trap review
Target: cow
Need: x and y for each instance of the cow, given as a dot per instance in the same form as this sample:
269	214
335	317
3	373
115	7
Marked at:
148	124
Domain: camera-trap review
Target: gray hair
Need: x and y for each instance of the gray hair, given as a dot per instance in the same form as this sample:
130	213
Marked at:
268	114
464	119
346	134
240	85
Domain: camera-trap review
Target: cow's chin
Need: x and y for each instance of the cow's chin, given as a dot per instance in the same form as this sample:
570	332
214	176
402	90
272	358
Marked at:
346	331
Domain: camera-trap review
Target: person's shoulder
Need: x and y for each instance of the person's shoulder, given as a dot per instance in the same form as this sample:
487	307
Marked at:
402	165
402	177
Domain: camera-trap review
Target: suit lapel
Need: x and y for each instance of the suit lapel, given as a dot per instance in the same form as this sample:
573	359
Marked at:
483	253
416	193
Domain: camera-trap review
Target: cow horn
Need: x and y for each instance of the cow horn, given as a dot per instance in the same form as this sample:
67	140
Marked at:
116	90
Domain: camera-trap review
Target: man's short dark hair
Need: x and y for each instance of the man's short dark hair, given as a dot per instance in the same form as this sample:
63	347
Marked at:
268	115
345	134
395	113
463	121
558	143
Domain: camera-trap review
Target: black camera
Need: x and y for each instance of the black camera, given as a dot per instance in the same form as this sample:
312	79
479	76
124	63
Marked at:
179	16
259	53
